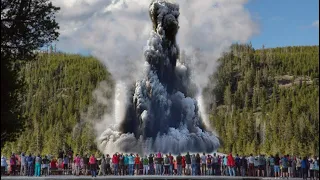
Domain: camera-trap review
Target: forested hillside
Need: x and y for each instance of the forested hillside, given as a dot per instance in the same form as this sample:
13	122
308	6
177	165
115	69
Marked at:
263	101
58	88
266	101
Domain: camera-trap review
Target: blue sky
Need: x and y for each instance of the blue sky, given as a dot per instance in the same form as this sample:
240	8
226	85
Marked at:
285	22
281	23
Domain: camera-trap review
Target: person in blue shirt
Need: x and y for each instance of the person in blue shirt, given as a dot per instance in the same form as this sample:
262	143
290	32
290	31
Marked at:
284	163
304	167
131	164
126	164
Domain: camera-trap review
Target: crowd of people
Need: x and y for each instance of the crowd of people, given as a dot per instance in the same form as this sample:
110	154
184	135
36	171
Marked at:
120	164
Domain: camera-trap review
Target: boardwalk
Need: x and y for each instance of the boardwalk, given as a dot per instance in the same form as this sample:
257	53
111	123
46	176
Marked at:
135	178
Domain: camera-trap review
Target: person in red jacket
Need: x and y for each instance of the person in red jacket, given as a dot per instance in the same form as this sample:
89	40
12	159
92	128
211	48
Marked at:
231	164
137	163
184	165
93	165
115	162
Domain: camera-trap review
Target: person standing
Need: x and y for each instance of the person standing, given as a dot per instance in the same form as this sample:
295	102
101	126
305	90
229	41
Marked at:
231	165
93	165
277	166
304	168
179	164
158	164
38	166
298	167
115	162
70	155
45	164
271	165
284	163
30	165
215	164
203	164
3	165
77	164
108	166
131	164
23	169
238	165
103	166
188	162
166	165
145	161
13	164
85	164
171	164
209	165
244	165
251	165
137	163
184	165
65	164
151	165
121	165
193	165
198	161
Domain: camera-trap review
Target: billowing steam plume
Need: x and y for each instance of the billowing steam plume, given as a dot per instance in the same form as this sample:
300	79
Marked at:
161	112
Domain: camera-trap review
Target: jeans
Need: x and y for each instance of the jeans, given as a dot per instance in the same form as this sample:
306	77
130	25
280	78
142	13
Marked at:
77	169
158	169
243	171
209	169
23	170
93	168
131	169
193	169
38	169
231	171
171	169
30	169
179	169
93	173
151	168
145	169
116	167
271	171
197	169
188	169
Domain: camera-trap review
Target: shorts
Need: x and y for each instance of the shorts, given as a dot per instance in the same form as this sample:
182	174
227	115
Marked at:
276	169
285	170
65	166
261	167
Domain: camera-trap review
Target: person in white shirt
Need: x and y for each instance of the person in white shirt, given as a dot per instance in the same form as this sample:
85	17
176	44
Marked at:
3	165
203	164
23	170
251	165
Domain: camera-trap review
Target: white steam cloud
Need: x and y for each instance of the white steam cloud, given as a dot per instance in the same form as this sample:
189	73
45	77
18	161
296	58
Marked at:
116	31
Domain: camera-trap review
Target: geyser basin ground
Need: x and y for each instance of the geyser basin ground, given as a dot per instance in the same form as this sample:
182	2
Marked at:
161	113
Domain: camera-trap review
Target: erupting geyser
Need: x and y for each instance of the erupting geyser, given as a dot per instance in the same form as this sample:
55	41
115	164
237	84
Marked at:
162	113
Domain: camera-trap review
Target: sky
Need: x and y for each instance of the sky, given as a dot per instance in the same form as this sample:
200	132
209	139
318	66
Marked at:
109	28
285	22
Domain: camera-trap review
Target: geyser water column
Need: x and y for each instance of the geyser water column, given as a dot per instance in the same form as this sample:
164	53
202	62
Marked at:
162	113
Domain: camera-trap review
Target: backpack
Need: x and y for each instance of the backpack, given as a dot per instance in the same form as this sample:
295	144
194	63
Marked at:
208	160
166	160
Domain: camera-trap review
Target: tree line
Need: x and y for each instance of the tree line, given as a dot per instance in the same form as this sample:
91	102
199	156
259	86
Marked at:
266	100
